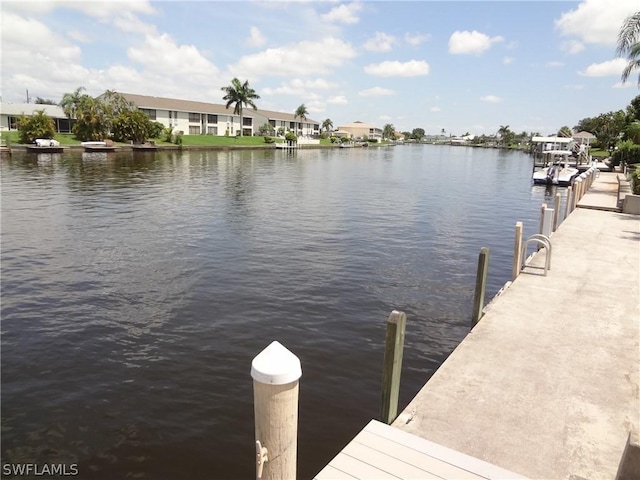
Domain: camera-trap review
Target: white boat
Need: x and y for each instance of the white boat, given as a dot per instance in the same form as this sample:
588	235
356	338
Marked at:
46	142
559	170
94	144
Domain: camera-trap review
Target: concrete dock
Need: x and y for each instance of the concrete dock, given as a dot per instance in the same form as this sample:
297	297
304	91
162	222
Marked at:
546	385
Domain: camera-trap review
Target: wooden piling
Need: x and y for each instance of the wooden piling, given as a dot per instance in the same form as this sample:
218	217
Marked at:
543	208
481	284
276	373
556	211
392	367
567	207
517	252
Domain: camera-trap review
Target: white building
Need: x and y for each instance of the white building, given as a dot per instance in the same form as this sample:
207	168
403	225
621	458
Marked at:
199	118
10	112
186	116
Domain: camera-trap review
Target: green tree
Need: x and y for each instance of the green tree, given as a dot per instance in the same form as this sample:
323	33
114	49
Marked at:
69	102
632	132
131	125
327	125
506	135
91	120
38	125
629	45
417	133
608	128
388	132
239	94
301	113
565	132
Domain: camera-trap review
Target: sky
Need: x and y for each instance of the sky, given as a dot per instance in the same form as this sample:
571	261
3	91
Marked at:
465	67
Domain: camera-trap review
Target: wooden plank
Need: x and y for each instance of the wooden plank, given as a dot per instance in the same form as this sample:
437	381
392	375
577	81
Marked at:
419	459
359	469
453	457
331	473
386	462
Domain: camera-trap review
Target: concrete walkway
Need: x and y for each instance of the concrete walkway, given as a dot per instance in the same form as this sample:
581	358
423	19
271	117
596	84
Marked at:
546	385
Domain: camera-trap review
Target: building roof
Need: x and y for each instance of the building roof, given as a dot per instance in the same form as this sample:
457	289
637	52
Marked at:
16	109
552	139
585	135
358	124
162	103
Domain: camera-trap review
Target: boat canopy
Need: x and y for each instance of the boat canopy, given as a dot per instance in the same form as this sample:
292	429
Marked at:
552	139
558	152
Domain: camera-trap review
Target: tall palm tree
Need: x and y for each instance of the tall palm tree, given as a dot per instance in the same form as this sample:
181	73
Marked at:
327	125
70	101
629	45
239	94
301	112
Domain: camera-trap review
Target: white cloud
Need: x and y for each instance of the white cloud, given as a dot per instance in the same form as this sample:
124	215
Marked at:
596	21
555	64
256	38
296	59
417	38
628	84
338	100
185	59
491	99
605	69
572	46
345	13
474	43
376	92
79	36
507	60
300	87
382	42
412	68
435	109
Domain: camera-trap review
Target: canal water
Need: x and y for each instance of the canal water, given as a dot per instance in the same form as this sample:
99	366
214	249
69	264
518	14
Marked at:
137	288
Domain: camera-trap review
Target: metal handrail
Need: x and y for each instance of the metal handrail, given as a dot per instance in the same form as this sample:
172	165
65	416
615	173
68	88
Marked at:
539	239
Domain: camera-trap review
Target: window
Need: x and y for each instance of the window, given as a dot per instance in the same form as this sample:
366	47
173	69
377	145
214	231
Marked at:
212	130
194	129
272	123
247	121
194	117
212	118
149	113
292	124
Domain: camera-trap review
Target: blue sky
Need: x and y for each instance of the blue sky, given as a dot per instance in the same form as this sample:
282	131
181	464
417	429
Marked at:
453	65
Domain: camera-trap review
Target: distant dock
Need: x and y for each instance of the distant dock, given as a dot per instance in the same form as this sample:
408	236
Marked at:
547	383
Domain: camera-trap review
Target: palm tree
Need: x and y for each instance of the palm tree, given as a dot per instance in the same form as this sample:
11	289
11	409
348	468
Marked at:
300	112
70	101
629	45
327	125
240	94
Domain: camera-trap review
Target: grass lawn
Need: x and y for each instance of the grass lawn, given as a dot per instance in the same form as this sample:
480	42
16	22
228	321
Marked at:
598	153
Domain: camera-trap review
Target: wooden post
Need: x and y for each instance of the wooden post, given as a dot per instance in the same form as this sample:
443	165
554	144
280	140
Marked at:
276	373
517	252
567	207
556	212
392	367
481	285
543	208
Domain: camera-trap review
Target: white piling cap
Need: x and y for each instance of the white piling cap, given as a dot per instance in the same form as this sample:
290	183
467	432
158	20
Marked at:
275	365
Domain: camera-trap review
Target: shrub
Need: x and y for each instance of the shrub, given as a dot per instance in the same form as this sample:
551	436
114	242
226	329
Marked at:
291	137
627	152
156	130
635	180
38	125
268	139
